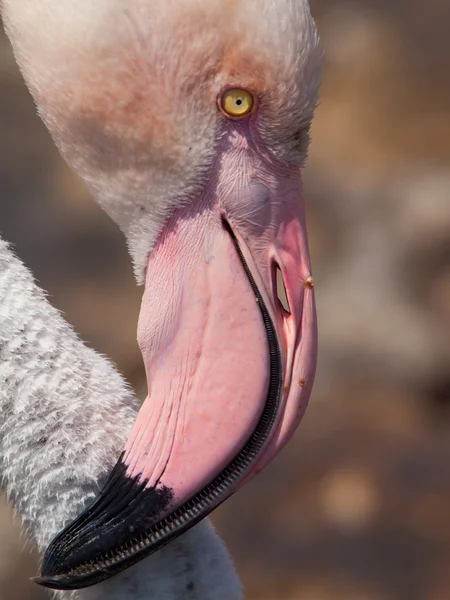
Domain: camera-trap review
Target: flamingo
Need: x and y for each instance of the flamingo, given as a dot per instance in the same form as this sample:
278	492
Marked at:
189	122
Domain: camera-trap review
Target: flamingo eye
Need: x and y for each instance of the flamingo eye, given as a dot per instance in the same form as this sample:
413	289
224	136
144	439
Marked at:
237	102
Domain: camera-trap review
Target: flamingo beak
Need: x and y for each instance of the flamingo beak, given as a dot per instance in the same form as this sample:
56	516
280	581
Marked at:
230	365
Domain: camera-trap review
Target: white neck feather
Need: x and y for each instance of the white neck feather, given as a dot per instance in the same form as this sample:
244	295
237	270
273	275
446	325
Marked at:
65	415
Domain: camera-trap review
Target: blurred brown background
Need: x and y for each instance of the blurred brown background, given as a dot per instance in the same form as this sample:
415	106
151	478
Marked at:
358	506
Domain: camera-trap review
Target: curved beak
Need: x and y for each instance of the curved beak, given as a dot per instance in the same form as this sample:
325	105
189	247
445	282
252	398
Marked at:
230	365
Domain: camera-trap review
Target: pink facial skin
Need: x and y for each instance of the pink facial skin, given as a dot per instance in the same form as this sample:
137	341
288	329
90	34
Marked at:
200	330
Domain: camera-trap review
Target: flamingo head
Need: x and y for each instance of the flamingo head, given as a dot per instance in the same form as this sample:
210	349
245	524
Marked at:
188	121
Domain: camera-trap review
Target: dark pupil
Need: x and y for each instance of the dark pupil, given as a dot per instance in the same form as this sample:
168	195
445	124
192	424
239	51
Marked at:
238	101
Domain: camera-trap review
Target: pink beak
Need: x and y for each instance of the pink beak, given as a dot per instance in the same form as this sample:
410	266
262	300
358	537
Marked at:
229	370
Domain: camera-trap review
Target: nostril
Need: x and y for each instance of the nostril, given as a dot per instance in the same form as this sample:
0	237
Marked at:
281	292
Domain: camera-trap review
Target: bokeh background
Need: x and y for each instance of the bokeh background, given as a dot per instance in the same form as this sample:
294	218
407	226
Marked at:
358	506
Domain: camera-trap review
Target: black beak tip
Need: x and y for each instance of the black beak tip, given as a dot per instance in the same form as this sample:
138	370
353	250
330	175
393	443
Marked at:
72	581
38	580
57	582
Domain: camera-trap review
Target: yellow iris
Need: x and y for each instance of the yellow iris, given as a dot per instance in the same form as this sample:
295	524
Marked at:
237	102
